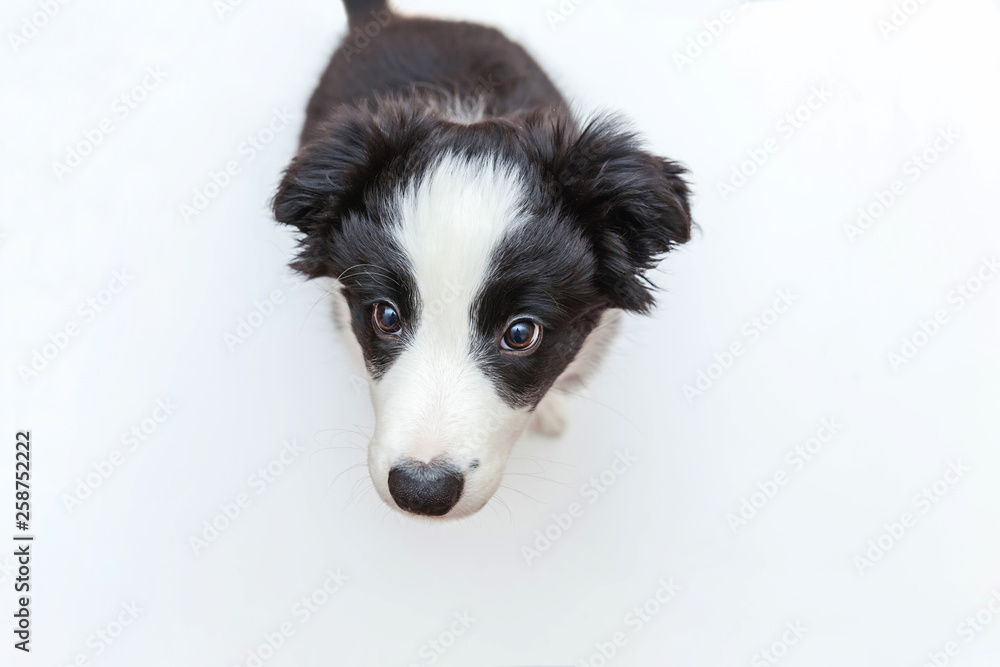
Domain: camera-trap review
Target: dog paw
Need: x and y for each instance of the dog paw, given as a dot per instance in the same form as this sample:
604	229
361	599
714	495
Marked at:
549	418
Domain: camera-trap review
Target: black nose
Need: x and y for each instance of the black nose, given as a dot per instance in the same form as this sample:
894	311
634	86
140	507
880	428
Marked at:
430	489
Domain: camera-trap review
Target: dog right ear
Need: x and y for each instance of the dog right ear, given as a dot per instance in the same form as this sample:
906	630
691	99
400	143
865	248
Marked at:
332	177
631	205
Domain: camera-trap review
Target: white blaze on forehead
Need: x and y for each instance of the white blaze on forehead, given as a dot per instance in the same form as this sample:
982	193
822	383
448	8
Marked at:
434	400
449	224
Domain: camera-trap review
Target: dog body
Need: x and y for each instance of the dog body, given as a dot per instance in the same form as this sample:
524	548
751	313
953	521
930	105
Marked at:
481	243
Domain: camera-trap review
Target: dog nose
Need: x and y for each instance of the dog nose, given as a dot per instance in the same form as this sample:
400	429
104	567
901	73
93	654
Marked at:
430	489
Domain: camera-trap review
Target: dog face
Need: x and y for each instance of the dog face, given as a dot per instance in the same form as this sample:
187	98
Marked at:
473	262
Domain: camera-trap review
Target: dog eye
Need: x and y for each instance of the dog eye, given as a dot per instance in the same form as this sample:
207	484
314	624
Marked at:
386	318
522	336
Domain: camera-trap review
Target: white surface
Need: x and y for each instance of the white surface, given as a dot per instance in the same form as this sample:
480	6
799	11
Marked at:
162	337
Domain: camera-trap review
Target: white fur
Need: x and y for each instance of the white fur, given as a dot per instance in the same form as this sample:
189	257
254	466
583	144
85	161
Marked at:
434	400
549	417
457	108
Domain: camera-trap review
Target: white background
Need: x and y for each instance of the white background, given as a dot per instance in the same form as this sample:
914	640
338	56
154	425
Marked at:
162	337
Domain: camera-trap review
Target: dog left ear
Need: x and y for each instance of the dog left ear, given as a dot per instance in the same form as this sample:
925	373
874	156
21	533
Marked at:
633	207
329	179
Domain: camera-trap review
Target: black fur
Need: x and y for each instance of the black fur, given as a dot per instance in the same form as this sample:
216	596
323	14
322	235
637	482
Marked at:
361	11
601	210
426	58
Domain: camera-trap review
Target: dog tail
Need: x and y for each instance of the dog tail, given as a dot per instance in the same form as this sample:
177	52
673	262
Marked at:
360	12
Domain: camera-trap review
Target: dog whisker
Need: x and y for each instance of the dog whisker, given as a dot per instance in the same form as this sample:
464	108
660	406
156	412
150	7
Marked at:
492	507
356	494
603	405
378	272
355	431
541	478
501	501
326	293
511	488
539	458
326	449
343	472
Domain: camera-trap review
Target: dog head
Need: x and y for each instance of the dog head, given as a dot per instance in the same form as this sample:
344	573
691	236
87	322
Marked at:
474	261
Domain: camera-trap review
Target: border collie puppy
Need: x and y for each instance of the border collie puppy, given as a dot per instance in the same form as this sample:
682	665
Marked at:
481	243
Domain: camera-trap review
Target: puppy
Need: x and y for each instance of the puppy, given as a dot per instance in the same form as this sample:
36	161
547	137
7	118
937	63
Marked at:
481	242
